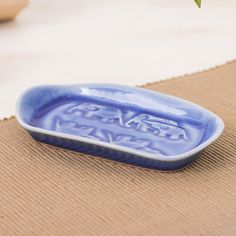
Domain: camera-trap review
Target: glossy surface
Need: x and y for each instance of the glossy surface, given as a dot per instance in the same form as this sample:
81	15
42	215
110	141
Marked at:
126	119
124	125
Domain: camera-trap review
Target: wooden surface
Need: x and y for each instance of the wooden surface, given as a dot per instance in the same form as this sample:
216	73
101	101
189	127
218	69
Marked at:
49	191
10	8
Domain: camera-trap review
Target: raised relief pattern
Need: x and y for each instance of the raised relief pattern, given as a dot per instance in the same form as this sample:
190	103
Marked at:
142	122
127	120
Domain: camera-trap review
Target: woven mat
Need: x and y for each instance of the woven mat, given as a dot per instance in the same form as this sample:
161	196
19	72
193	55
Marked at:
49	191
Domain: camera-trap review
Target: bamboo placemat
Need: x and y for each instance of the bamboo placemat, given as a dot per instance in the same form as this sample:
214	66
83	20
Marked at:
49	191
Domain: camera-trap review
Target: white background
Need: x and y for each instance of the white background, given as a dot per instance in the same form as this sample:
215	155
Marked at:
114	41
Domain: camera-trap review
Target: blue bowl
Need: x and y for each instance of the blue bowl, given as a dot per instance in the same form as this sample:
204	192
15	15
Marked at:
127	124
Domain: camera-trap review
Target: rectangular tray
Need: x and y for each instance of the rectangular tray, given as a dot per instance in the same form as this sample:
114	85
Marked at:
127	124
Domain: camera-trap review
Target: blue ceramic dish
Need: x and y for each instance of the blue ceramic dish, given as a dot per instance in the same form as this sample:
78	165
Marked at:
127	124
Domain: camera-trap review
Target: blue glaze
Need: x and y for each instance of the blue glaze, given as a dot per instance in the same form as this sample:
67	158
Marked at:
146	126
129	126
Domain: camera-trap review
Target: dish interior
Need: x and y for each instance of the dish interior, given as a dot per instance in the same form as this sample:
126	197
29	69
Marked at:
131	125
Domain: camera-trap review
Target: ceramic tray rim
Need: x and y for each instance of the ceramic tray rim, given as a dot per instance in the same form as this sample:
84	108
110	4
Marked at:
178	157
